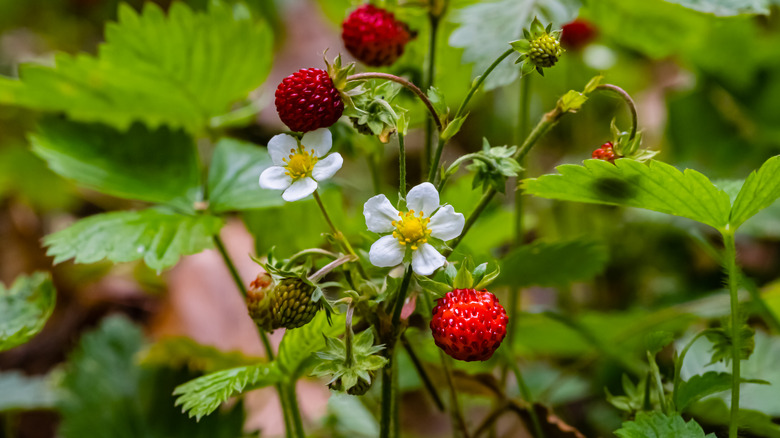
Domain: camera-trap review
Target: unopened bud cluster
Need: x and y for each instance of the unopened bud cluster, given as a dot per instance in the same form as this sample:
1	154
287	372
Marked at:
544	51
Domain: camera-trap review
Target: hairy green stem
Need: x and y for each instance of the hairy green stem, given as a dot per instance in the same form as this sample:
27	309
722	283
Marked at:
430	71
426	379
629	101
401	164
433	170
732	272
407	84
338	234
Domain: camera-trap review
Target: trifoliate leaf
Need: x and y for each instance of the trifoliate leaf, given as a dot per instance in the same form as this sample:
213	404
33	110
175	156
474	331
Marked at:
148	165
233	175
180	70
658	425
24	308
553	263
21	392
298	345
203	395
656	186
487	28
760	190
157	236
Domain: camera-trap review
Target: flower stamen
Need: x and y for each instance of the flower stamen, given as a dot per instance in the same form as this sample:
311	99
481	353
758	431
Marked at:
411	229
299	164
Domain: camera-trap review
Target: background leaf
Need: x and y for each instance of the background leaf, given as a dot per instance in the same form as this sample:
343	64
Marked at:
25	393
487	28
148	165
658	425
657	186
179	70
553	263
24	308
760	190
203	395
726	7
700	386
157	236
299	344
233	178
181	352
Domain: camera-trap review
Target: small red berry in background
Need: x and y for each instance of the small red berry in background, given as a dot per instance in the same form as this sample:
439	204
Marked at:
577	34
606	152
469	324
374	36
307	100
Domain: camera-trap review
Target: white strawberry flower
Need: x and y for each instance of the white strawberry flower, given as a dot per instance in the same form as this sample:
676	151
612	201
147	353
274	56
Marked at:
410	230
298	167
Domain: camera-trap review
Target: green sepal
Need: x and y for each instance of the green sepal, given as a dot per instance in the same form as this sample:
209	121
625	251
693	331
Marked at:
464	279
453	127
436	288
538	29
332	361
721	339
634	399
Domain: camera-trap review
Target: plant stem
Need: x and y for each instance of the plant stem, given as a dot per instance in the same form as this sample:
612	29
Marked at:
426	379
433	170
678	367
374	169
545	124
410	86
629	101
288	411
388	394
338	234
732	272
401	164
525	392
490	420
479	82
428	83
310	251
348	335
294	413
457	415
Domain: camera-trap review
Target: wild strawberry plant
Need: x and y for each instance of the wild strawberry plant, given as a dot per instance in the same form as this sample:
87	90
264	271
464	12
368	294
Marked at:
152	117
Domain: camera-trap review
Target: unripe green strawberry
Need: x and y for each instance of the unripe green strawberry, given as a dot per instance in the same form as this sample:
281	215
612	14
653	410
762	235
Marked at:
259	302
292	304
544	51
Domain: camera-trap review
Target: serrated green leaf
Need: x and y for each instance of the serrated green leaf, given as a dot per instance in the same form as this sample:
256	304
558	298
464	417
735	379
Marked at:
180	70
179	352
203	395
553	263
233	178
299	344
148	165
157	236
700	386
486	29
724	8
24	308
21	392
658	425
656	186
761	189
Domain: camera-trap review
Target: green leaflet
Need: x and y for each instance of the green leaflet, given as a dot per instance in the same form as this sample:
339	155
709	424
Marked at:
658	425
24	308
203	395
656	186
760	190
148	165
553	263
180	70
299	344
157	236
700	386
233	178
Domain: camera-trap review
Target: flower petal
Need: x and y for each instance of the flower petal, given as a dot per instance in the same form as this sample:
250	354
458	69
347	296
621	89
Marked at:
446	224
426	259
379	214
386	252
320	140
279	147
423	197
300	189
275	178
327	167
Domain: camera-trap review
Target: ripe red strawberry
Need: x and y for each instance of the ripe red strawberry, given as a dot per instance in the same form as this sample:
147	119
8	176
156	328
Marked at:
307	100
606	152
374	36
469	324
577	34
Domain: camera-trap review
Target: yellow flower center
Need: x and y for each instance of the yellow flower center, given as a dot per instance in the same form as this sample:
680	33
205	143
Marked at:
411	229
300	163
